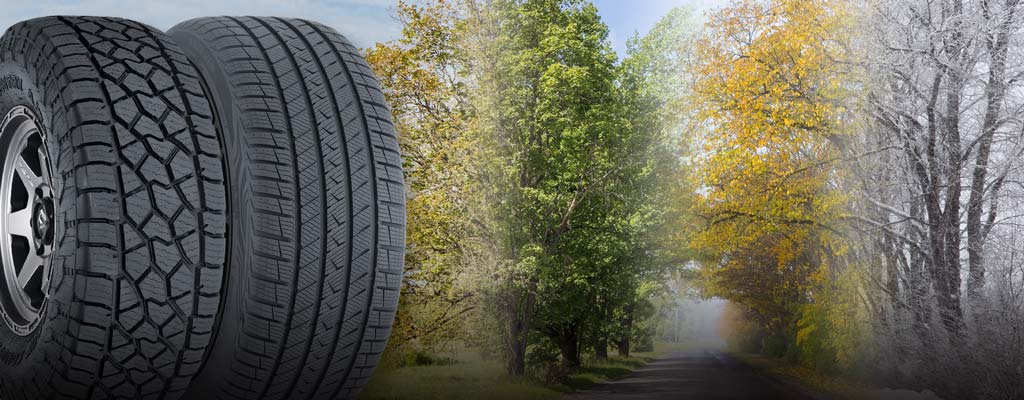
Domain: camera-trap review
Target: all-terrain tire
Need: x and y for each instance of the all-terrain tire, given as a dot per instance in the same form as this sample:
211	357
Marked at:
318	226
140	211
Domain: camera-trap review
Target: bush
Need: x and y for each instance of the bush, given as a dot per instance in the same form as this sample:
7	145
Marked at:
542	362
419	357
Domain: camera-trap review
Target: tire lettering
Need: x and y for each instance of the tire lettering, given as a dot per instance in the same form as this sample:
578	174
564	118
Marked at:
10	82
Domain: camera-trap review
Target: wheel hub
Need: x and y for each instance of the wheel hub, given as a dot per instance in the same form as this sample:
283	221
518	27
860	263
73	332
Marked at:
26	221
42	222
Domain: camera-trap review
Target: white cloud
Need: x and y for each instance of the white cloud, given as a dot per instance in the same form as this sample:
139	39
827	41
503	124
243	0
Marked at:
364	22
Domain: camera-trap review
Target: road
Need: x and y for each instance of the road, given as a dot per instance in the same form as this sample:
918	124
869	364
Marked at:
696	374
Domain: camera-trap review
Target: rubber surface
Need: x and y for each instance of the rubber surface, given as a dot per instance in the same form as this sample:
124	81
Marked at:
141	219
319	228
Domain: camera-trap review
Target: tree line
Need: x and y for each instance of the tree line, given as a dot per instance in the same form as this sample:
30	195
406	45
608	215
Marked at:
543	172
847	174
861	186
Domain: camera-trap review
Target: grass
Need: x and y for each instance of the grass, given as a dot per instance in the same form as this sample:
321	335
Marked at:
596	371
474	377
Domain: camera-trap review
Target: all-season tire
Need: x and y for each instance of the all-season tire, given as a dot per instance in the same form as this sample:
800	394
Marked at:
139	225
318	226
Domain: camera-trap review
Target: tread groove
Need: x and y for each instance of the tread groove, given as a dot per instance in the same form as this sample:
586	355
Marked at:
335	185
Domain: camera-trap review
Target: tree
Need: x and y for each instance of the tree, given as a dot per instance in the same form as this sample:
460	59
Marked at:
942	97
653	83
772	101
553	125
423	77
930	102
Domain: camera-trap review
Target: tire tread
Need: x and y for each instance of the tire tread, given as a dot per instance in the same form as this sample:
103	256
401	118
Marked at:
137	272
335	175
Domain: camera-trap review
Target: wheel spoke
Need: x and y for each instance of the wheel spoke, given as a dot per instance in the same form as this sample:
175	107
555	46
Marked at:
20	223
43	165
26	258
28	177
47	250
32	263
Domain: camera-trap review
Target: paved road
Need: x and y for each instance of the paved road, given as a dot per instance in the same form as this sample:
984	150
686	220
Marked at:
697	374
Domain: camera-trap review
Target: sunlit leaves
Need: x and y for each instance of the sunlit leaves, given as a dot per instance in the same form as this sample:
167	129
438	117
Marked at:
770	103
421	76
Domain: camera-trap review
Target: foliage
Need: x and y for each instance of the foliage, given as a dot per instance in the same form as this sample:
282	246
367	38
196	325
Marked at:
652	86
421	76
541	176
772	102
574	173
739	331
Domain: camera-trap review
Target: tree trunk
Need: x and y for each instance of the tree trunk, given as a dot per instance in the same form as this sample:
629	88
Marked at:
946	274
943	209
568	344
601	347
995	90
627	332
919	283
518	308
516	359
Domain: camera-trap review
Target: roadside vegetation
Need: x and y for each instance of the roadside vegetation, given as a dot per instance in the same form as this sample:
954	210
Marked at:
544	179
471	375
846	175
861	185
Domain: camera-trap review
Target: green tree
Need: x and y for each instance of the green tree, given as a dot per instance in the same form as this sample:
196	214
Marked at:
548	82
543	174
653	85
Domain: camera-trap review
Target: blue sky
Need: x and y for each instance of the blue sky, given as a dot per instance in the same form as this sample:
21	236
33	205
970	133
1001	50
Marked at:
625	17
363	21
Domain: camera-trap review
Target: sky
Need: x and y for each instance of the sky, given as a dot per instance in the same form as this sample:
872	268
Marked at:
364	22
625	17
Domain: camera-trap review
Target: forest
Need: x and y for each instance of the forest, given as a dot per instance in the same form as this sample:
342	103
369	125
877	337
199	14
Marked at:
846	175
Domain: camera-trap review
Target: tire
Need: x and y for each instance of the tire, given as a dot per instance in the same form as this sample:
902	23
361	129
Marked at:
319	223
139	211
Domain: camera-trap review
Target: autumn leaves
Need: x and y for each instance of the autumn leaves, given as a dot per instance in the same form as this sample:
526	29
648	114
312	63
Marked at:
823	165
854	184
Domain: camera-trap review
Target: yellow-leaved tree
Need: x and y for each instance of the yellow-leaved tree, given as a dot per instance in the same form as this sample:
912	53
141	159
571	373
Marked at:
772	93
421	76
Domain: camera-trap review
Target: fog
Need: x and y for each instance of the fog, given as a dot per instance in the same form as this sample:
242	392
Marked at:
693	320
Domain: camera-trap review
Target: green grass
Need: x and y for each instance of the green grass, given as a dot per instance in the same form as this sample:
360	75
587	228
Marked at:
594	371
477	379
473	377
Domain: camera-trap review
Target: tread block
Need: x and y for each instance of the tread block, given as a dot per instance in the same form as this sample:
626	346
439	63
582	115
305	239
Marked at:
136	282
323	204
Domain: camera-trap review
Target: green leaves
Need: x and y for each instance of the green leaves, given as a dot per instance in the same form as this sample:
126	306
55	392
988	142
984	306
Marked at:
577	162
544	174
